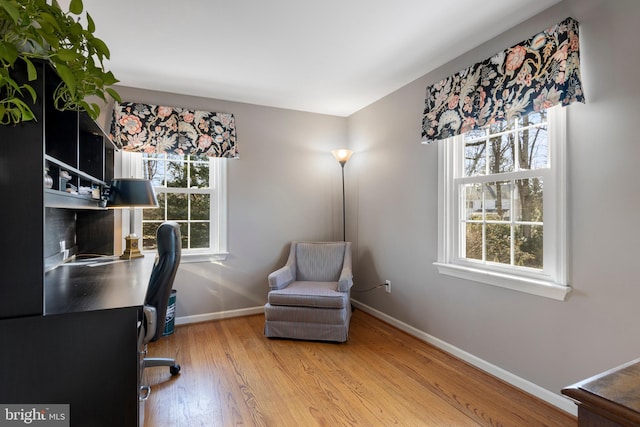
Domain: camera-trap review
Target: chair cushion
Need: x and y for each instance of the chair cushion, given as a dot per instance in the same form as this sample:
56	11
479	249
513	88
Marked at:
309	294
320	262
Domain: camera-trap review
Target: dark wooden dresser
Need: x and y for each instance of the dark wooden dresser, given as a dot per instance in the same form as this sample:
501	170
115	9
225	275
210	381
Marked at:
609	399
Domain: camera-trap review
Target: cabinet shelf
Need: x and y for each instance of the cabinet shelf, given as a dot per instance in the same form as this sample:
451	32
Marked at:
61	199
74	170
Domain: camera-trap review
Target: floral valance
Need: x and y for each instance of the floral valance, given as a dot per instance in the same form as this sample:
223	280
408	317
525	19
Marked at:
159	129
535	74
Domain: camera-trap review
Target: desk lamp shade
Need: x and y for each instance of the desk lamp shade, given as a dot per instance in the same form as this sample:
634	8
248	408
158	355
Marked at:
132	193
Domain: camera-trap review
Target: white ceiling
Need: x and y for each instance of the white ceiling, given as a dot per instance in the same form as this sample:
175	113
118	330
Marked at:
330	56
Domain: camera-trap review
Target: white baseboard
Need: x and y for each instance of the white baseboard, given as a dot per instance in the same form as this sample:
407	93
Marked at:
184	320
552	398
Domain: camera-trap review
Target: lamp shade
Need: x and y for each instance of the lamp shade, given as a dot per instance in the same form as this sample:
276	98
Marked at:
342	155
132	193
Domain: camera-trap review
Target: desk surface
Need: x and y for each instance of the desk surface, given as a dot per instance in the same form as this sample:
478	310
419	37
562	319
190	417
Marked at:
107	284
614	394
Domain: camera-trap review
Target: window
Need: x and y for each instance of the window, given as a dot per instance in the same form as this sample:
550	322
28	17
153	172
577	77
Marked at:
502	204
191	190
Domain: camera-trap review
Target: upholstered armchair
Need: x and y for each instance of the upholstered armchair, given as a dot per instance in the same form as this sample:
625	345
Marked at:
309	298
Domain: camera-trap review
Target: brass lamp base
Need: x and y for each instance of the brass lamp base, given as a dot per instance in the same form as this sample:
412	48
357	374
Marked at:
131	248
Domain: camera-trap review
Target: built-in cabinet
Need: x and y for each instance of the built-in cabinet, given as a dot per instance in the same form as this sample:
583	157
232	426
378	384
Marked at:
63	338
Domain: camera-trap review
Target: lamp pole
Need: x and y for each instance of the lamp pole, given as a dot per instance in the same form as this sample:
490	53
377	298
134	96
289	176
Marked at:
344	211
342	156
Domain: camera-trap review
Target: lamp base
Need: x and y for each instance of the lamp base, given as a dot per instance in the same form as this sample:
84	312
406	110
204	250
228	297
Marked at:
131	248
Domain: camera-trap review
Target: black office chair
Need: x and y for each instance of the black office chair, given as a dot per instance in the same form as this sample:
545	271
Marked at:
159	291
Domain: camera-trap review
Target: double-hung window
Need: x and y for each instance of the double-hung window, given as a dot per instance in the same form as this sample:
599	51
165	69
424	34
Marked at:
191	191
502	204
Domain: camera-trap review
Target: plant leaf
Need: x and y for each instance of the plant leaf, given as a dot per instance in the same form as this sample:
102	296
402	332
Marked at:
109	79
11	10
25	112
101	48
115	95
31	91
67	77
75	7
50	19
8	53
67	55
91	26
32	73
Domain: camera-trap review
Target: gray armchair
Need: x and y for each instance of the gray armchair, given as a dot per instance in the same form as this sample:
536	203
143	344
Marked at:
309	298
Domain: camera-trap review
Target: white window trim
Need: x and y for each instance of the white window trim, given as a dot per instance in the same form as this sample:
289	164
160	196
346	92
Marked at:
553	282
133	163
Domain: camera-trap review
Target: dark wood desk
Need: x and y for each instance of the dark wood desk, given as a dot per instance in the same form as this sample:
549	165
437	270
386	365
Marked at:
84	350
97	285
609	399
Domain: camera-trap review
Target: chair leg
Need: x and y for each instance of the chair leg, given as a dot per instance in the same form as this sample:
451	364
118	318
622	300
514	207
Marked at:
150	362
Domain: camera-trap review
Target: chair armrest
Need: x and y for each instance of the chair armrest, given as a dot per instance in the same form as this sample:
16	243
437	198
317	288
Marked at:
280	278
150	322
345	282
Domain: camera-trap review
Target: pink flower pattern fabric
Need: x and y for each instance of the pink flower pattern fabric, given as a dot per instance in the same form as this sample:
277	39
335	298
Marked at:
162	129
533	75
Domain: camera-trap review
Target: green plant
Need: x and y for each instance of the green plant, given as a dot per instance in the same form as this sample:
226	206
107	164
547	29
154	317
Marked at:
39	29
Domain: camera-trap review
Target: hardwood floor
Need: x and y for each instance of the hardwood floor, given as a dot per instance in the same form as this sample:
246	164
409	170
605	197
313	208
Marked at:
232	375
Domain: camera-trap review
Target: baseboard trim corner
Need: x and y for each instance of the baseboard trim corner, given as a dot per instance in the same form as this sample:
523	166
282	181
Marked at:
197	318
506	376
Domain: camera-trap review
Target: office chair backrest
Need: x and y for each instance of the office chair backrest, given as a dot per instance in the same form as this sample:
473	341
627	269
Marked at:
164	271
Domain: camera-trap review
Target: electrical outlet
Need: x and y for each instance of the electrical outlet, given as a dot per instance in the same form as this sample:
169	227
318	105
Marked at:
387	286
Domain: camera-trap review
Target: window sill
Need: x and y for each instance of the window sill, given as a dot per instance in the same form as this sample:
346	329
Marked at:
187	258
517	283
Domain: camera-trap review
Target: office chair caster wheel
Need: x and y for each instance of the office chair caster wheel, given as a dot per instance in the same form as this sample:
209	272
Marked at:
175	369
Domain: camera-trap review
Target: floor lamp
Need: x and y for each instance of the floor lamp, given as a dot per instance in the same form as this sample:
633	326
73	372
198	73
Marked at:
131	193
342	156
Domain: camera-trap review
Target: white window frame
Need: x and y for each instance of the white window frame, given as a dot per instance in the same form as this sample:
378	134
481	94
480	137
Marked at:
218	213
551	281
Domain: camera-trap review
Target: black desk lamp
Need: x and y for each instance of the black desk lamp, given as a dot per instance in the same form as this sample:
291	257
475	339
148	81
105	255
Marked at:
131	193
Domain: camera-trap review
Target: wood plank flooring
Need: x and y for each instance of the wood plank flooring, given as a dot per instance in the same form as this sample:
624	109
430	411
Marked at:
233	376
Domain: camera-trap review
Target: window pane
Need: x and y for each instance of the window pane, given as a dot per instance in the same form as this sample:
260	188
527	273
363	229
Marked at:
184	234
149	235
473	242
199	235
199	175
176	174
472	201
534	149
474	158
528	245
502	126
200	206
528	200
475	134
156	214
499	243
534	118
153	169
501	154
177	208
497	196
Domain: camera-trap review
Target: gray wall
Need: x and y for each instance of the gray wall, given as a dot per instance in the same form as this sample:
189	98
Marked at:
393	222
285	186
